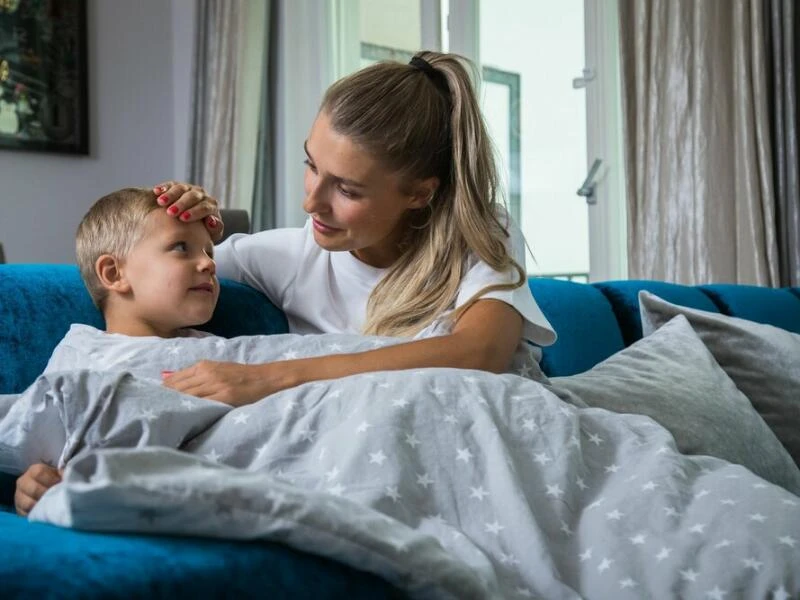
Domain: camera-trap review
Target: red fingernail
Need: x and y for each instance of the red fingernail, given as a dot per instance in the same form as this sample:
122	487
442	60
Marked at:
212	222
162	199
172	210
166	373
185	216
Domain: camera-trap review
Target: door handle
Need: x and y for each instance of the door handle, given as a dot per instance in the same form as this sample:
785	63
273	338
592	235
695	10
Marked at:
587	187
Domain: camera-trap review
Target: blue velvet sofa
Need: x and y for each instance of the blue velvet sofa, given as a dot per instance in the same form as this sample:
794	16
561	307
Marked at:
39	302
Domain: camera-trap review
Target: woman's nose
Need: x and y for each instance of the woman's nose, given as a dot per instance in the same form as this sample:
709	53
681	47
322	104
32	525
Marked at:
315	197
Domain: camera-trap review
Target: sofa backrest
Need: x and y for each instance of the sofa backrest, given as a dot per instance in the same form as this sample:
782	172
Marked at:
38	303
594	321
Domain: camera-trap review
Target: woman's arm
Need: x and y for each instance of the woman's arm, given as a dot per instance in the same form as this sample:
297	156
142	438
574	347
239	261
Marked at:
485	338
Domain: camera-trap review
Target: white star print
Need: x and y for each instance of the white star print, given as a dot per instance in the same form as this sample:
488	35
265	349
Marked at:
508	559
649	486
555	491
689	575
289	406
595	439
289	355
586	555
174	350
186	403
148	414
335	348
424	480
614	515
627	583
525	592
241	418
478	492
758	517
664	553
759	486
437	519
596	503
219	344
780	594
700	494
732	476
723	544
752	563
363	427
699	528
604	565
450	419
322	453
790	502
412	440
529	424
464	454
612	468
787	540
716	593
332	474
638	539
384	386
377	458
494	528
391	491
580	483
261	450
437	391
662	450
308	434
671	512
213	455
729	502
542	458
574	441
565	528
336	490
334	394
400	403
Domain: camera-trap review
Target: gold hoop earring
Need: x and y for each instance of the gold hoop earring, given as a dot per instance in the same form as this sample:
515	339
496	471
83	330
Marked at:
429	216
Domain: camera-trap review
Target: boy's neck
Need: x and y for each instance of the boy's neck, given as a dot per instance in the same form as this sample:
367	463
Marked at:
135	328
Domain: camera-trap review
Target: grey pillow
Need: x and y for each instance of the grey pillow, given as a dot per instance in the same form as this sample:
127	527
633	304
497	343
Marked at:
763	361
672	377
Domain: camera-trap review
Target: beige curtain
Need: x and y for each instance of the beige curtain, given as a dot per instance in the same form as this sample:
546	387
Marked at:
697	147
215	118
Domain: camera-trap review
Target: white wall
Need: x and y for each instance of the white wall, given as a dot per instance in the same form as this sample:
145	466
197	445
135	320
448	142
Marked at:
139	102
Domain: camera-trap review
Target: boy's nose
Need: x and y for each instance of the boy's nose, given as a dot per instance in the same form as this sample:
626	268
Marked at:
207	264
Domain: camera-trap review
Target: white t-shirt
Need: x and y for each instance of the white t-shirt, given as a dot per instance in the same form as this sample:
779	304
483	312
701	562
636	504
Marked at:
327	292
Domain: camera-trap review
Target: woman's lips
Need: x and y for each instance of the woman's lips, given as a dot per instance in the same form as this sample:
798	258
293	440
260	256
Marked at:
322	228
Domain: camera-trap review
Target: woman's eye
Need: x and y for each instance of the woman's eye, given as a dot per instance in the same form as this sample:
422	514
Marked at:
348	193
310	165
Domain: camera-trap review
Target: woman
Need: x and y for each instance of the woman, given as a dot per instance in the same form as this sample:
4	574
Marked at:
405	238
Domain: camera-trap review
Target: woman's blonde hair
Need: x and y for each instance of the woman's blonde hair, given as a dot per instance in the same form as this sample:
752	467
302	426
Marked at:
421	123
113	225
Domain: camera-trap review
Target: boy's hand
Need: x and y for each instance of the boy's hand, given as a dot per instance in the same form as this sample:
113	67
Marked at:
32	485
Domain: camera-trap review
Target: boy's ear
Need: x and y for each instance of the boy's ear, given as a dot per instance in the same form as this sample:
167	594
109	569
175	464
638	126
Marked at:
108	269
422	192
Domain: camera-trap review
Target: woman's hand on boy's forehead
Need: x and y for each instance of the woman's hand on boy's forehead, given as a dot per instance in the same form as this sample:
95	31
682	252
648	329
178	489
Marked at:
190	203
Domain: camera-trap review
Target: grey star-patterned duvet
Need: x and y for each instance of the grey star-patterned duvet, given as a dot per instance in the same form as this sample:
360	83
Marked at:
448	483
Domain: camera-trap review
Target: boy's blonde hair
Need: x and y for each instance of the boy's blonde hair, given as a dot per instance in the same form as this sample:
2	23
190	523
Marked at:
112	226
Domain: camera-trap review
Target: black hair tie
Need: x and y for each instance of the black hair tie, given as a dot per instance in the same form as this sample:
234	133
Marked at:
437	77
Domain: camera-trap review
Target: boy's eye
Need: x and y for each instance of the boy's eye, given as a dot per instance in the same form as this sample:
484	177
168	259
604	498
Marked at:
180	246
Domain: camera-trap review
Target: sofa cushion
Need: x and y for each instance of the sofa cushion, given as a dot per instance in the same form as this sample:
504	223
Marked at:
47	299
624	299
584	322
778	307
671	377
762	360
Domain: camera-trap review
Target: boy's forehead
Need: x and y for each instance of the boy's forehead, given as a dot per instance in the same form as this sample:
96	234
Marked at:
159	222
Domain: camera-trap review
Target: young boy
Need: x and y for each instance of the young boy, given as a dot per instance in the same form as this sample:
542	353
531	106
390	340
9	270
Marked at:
149	273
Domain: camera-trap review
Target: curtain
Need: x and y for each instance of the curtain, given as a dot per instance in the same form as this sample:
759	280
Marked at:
781	34
214	130
699	174
263	201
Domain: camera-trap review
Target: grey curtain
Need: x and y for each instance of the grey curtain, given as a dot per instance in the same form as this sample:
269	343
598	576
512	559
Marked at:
781	36
699	173
263	204
213	139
